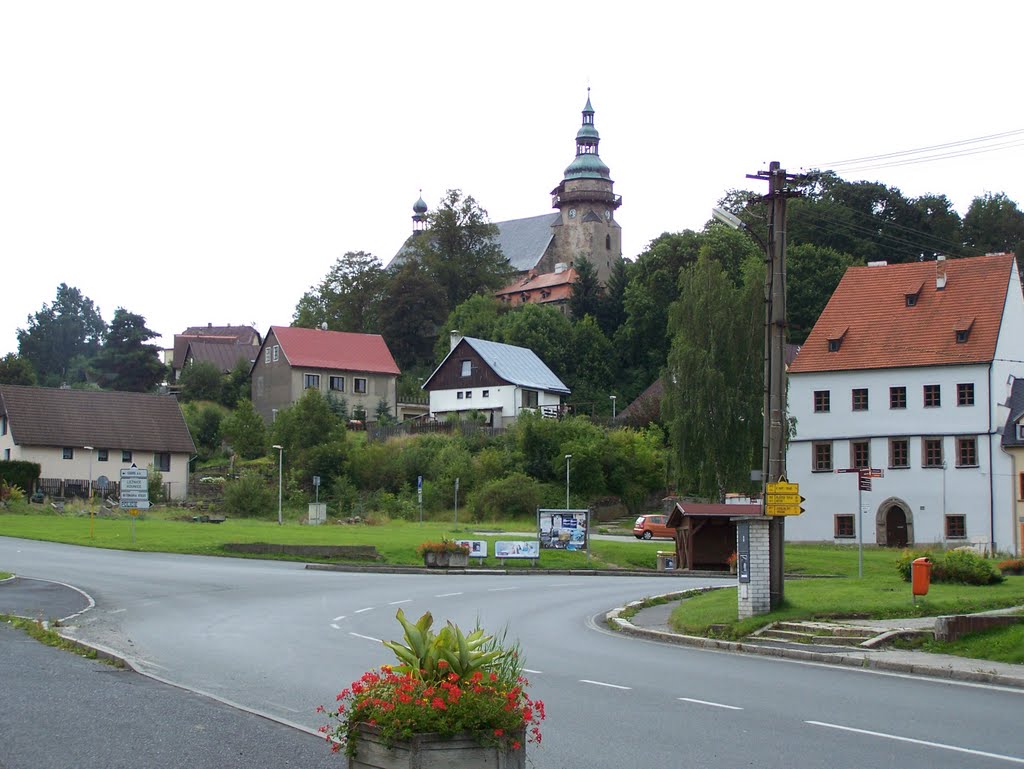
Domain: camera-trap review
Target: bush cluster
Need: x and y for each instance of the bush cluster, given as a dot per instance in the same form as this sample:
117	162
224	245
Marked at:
1012	566
962	565
249	495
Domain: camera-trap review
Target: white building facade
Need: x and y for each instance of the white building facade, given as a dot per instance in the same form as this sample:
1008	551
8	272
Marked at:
909	371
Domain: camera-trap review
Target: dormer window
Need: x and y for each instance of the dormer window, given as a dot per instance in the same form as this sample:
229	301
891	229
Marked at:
911	300
962	329
835	338
912	293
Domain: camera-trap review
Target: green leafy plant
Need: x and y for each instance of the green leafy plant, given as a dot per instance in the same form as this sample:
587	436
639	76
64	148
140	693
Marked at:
962	565
446	683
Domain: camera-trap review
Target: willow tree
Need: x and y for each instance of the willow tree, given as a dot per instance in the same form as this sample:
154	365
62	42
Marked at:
713	378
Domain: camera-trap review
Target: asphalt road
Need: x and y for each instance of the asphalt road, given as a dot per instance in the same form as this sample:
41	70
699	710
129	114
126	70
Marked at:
277	639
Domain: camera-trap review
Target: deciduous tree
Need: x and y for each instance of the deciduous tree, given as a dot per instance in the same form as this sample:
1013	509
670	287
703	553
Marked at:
126	362
349	297
59	336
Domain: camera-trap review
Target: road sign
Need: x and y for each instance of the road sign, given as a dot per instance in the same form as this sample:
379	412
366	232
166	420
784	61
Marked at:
134	484
785	499
775	509
134	472
782	487
133	504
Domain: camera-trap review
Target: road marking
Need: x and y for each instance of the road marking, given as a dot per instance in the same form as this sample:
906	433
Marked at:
446	595
601	683
710	704
360	611
367	637
926	743
282	707
116	611
335	626
533	672
404	600
500	589
339	618
564	584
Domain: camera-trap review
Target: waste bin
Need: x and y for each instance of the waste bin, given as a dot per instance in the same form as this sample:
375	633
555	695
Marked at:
666	560
920	575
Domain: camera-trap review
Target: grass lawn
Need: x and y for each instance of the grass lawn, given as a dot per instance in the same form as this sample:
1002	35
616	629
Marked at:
880	594
174	532
1002	645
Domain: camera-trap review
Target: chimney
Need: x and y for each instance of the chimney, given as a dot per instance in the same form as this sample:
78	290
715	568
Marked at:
456	337
940	272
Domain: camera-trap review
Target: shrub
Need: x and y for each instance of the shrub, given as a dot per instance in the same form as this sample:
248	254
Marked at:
1012	566
962	565
249	495
966	566
516	495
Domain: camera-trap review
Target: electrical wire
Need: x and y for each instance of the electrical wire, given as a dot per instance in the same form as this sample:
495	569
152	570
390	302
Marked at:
917	151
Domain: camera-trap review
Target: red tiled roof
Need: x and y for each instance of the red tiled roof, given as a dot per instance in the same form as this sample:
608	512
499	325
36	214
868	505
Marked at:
210	333
539	289
338	350
699	508
869	317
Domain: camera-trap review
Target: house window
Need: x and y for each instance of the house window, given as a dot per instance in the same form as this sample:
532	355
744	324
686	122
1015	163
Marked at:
338	383
961	336
277	352
162	462
833	345
821	452
844	526
932	396
911	300
467	368
899	452
860	399
460	395
102	455
860	454
7	455
69	452
485	394
469	394
932	451
530	399
1020	492
956	526
126	456
967	452
266	357
259	387
897	397
359	385
821	401
965	394
311	381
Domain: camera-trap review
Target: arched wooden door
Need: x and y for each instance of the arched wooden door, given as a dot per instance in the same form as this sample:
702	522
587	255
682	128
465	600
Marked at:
896	527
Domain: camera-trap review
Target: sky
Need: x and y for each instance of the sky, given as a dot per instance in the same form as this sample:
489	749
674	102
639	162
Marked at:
207	162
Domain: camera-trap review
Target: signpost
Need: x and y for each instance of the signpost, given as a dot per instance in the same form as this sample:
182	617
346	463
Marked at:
134	495
783	498
864	476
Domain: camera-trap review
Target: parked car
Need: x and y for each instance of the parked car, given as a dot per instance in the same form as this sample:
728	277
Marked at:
650	526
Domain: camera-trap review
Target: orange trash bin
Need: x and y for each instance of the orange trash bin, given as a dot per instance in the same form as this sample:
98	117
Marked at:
920	575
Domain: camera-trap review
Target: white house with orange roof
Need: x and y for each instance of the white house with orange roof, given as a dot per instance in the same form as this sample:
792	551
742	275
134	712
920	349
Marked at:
909	371
356	368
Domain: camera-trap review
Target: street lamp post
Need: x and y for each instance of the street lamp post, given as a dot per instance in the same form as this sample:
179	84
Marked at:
280	475
567	458
613	405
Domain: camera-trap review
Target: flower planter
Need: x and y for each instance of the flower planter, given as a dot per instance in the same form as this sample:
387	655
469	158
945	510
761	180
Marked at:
435	560
432	751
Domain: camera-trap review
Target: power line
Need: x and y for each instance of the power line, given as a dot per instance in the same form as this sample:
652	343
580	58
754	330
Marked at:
919	150
932	158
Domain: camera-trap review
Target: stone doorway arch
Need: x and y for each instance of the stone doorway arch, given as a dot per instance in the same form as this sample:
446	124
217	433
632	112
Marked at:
894	523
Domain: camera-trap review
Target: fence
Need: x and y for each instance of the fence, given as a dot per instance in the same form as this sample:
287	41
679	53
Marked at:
59	488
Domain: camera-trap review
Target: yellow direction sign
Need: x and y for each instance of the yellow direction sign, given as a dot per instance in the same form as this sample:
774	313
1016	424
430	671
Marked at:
776	509
782	487
785	499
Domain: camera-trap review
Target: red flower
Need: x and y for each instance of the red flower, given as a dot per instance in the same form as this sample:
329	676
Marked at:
516	745
499	732
438	703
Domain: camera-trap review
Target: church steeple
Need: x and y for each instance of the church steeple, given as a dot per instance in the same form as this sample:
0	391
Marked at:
419	215
587	202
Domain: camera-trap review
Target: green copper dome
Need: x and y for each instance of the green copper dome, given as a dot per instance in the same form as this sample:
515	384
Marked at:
587	167
420	206
587	164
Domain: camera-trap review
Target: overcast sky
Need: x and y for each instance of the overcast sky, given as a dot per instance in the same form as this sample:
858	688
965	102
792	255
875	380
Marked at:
207	162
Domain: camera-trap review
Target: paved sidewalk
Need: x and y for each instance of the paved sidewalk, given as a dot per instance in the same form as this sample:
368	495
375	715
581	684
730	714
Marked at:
652	623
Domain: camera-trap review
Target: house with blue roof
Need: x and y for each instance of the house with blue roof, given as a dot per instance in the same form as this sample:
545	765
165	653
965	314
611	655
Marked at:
500	381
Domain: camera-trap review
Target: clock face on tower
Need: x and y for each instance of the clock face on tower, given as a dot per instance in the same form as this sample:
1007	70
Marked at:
572	213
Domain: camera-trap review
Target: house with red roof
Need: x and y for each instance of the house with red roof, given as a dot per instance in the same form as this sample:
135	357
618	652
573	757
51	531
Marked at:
908	372
550	288
355	368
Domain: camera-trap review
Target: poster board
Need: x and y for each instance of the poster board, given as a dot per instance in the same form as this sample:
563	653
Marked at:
562	529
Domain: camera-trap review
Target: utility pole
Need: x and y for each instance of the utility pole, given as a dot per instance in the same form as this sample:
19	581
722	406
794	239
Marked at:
773	465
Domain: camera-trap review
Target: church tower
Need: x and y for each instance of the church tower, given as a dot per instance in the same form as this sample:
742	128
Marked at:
419	216
586	201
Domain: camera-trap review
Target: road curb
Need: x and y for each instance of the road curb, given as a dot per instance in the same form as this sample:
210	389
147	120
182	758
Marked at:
517	572
860	661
